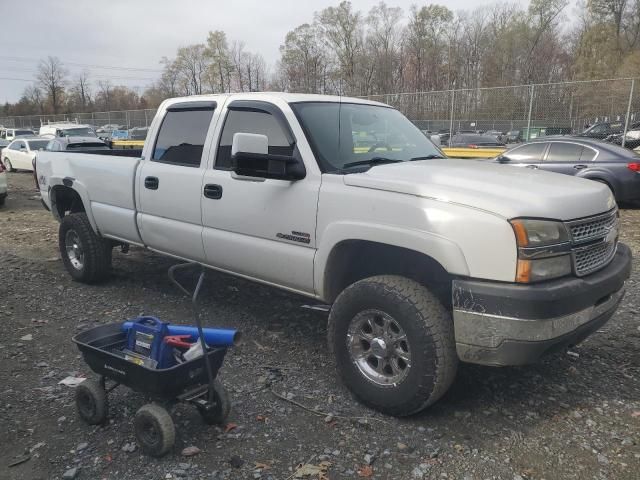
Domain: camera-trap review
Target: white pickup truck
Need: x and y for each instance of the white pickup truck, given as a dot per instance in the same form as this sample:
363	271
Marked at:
424	260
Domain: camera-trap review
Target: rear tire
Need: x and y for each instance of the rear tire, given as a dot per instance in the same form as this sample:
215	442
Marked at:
409	367
219	414
154	429
2	200
86	256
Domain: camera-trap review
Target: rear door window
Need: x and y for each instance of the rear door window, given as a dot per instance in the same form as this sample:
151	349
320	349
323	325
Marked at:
564	153
181	137
531	153
588	155
251	121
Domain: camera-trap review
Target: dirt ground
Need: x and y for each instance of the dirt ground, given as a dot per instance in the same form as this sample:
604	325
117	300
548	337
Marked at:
576	415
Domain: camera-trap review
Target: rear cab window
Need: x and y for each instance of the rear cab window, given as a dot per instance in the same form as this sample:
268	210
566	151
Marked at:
182	134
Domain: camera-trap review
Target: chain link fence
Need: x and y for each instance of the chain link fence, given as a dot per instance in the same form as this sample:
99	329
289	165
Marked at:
126	119
532	110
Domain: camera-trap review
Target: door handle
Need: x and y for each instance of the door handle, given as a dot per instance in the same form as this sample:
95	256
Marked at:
151	183
579	167
534	167
213	191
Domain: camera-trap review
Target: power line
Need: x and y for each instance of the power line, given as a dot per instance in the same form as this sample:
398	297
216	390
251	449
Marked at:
88	65
17	79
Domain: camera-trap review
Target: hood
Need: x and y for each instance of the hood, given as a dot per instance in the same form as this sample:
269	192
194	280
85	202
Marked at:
500	189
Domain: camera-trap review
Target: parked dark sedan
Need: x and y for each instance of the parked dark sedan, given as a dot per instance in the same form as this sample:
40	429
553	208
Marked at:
602	130
473	140
616	167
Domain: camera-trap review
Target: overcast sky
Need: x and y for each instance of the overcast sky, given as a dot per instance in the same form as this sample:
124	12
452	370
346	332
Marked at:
135	34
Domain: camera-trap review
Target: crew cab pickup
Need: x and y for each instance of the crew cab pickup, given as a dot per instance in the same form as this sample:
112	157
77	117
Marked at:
424	260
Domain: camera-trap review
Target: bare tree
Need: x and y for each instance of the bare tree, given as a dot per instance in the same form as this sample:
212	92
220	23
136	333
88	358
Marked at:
52	77
191	63
82	90
105	89
34	95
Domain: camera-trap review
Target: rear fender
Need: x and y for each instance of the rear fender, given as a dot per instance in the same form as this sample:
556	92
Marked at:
58	183
598	173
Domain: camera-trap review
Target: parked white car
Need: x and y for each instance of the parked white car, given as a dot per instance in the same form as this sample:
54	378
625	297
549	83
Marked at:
66	130
3	185
19	154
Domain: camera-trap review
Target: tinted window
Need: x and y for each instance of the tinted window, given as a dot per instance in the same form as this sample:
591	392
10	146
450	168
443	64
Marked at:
251	121
181	137
564	152
37	144
16	145
23	132
527	153
588	155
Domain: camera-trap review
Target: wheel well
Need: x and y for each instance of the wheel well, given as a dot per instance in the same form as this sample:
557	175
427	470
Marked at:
354	260
65	200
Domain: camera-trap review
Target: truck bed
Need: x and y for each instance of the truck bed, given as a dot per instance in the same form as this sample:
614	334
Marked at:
104	179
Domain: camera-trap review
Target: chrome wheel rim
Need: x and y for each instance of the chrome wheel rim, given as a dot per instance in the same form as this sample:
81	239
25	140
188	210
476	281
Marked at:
379	348
75	252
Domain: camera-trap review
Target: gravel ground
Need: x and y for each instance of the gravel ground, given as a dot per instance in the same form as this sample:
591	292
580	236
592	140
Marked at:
575	416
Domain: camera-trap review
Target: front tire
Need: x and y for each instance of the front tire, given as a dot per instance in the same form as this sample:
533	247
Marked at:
8	165
393	343
155	430
91	402
86	256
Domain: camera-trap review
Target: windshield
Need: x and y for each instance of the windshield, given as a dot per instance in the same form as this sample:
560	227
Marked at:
348	135
77	132
37	144
18	133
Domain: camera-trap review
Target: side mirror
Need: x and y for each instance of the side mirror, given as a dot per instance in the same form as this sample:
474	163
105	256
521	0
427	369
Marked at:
250	157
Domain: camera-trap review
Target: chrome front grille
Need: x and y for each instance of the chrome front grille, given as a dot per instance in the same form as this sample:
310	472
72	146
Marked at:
592	228
594	242
591	258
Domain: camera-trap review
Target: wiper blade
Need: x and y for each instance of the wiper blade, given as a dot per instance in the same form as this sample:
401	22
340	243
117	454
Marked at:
426	157
371	161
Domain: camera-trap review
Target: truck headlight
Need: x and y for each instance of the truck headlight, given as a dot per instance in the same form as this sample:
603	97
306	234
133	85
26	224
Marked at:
544	250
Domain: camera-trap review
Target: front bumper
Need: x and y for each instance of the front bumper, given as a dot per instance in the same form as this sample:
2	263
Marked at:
512	324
